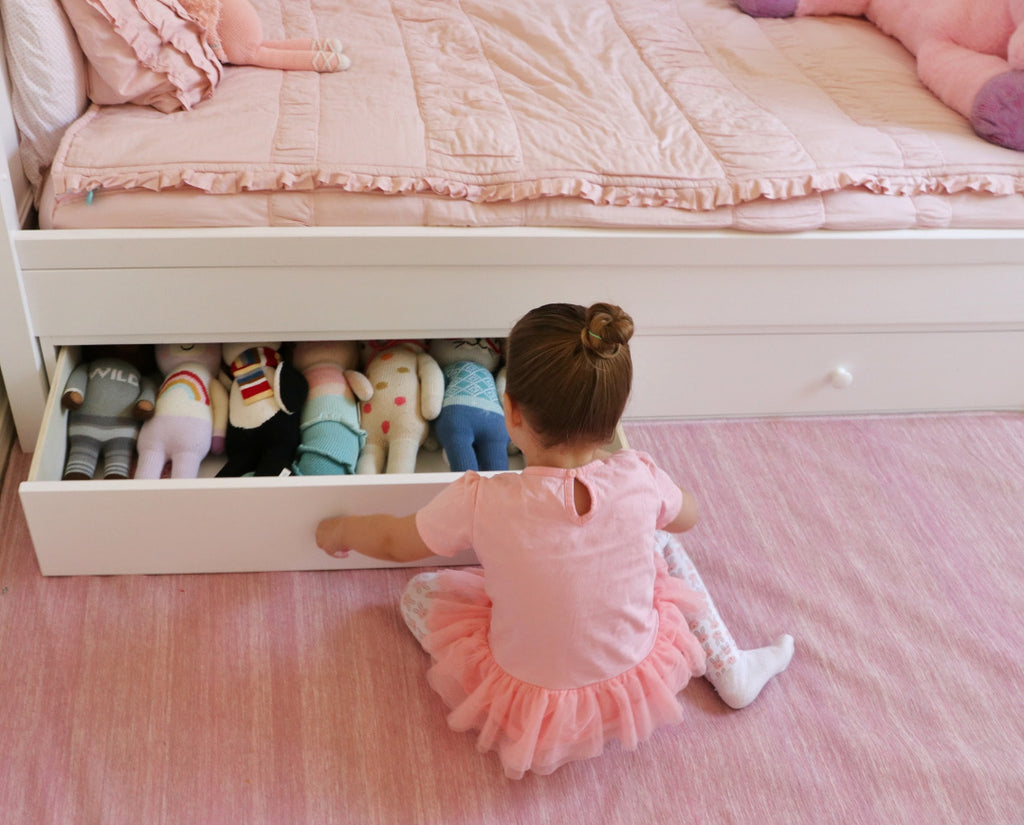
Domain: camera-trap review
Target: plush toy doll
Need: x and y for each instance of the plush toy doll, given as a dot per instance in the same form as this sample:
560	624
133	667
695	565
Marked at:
236	36
331	435
407	391
970	53
107	399
191	412
471	425
265	398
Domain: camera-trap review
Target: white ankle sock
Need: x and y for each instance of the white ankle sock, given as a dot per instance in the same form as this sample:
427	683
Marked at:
738	675
740	683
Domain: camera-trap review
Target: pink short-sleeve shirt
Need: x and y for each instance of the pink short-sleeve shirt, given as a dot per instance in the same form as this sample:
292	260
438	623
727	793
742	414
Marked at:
572	594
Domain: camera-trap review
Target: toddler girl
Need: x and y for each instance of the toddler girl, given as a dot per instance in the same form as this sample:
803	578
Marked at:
585	618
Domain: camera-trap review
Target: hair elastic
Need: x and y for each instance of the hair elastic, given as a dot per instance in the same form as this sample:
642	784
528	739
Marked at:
593	334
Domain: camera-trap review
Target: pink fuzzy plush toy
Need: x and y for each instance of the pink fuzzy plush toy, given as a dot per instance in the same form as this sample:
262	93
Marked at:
970	53
236	36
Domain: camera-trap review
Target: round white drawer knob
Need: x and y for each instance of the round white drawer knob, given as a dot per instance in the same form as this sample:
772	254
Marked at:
840	378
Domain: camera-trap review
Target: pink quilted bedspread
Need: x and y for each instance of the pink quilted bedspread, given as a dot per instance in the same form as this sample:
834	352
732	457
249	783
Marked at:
687	105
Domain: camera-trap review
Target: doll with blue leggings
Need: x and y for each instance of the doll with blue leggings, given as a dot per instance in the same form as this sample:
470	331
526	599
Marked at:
471	424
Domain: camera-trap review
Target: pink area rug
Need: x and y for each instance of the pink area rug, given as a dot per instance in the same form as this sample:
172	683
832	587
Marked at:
891	548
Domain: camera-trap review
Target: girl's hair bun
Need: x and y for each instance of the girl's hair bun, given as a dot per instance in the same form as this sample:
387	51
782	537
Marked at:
570	371
606	330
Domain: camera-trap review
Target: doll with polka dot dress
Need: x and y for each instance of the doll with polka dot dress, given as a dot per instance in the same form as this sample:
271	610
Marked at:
408	389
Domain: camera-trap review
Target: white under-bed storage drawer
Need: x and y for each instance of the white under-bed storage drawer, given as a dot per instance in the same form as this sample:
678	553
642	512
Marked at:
814	373
251	524
201	525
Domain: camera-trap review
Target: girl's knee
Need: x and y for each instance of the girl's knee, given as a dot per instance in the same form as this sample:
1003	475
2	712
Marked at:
416	602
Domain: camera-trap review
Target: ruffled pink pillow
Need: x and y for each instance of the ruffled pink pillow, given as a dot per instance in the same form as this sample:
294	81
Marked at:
149	52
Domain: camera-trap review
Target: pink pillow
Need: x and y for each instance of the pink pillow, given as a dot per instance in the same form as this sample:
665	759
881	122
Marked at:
148	52
47	84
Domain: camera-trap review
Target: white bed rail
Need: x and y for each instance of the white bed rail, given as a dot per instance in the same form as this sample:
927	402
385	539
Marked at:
108	286
20	358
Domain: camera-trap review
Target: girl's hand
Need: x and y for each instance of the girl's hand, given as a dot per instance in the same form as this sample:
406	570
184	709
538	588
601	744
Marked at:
379	536
329	538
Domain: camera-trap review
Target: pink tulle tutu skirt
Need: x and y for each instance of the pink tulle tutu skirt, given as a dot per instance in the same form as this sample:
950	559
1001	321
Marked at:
537	729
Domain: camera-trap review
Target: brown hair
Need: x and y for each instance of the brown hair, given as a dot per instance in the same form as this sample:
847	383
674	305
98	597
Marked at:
570	371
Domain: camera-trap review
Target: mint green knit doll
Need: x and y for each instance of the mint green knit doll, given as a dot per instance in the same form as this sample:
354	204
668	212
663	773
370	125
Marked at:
331	435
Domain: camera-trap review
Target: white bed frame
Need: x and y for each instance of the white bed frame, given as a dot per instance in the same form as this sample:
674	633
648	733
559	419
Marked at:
728	323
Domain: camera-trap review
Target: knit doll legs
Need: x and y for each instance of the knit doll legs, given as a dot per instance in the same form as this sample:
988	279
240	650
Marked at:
327	53
241	37
87	444
397	456
321	44
738	675
297	59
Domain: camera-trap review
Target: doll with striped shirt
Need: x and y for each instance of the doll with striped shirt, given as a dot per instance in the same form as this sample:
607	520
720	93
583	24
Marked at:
265	398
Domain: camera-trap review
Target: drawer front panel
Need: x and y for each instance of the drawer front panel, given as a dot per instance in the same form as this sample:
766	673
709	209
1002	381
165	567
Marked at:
726	375
205	525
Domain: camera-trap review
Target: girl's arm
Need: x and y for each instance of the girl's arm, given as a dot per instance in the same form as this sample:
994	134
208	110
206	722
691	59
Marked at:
388	538
687	516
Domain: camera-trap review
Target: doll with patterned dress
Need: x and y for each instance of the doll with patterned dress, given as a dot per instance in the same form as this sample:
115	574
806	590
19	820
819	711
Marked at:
586	617
471	424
